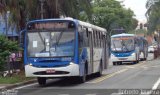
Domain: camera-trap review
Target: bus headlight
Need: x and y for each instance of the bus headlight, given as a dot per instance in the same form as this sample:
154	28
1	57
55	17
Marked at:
112	55
71	63
30	64
132	54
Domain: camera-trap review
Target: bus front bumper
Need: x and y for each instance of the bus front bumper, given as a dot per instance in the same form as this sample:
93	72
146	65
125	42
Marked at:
70	70
123	59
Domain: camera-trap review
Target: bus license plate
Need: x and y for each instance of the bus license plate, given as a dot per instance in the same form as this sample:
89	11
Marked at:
122	58
50	71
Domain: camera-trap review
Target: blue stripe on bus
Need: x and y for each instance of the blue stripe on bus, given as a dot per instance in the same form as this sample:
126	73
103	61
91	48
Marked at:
53	64
76	57
82	59
25	49
123	54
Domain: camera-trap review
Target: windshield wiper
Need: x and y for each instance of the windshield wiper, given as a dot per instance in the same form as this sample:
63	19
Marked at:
123	44
57	41
114	46
41	37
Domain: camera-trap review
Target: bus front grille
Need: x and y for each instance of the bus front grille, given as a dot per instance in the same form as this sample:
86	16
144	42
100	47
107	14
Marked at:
54	73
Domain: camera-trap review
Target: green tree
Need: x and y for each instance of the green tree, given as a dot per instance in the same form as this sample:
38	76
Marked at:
110	14
6	47
153	15
25	10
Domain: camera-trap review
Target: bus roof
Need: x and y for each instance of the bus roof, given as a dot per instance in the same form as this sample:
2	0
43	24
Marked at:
123	34
85	24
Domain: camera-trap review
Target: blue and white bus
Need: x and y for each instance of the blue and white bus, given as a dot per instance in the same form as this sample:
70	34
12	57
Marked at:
64	48
128	48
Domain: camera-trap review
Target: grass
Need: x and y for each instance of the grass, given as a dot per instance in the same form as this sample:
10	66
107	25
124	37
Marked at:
14	79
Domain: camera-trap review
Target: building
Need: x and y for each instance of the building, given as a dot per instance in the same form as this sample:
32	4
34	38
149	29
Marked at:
12	32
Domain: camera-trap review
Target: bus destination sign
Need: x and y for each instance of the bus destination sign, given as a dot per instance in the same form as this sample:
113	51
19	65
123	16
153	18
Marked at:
48	25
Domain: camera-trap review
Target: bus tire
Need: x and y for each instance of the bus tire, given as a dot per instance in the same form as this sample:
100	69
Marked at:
83	78
119	63
41	81
137	59
144	59
99	73
114	63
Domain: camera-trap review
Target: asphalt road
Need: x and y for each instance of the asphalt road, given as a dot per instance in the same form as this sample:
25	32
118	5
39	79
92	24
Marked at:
139	79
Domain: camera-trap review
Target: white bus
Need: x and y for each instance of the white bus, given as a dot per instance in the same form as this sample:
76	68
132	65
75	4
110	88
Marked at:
127	48
64	48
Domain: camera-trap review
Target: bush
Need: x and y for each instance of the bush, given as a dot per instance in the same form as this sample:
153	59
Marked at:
6	47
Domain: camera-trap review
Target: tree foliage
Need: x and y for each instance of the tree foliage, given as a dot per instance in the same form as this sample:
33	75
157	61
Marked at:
6	47
25	10
110	14
153	15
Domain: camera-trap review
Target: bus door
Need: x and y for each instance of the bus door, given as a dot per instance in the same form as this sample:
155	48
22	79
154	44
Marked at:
91	51
105	52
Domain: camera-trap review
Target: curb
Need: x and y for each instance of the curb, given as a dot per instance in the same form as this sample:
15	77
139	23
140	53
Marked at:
19	84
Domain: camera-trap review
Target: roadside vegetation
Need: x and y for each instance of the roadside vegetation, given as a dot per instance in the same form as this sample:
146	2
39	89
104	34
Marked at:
139	31
6	48
109	14
16	78
153	15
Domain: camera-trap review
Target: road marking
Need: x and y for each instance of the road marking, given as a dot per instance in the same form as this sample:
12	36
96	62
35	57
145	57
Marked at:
155	86
25	86
139	64
107	76
130	67
154	66
144	67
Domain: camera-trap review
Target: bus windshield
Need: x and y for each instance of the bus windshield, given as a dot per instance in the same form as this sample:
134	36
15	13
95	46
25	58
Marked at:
122	44
51	44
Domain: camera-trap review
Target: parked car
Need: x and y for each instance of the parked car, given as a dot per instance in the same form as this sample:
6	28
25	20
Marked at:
152	48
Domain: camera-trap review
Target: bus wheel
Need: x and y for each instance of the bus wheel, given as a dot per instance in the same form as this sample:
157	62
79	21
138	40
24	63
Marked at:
135	62
144	59
99	73
119	63
41	81
114	63
83	78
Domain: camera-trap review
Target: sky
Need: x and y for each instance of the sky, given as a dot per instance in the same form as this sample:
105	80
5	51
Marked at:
138	6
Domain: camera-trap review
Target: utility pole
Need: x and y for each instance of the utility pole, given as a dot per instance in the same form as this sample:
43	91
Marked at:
7	13
42	9
6	22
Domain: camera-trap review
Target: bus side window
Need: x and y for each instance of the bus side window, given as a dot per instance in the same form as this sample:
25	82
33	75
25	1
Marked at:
87	33
83	39
97	34
95	38
80	40
135	42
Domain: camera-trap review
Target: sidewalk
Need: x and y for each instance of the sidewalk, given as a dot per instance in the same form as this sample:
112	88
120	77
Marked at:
2	86
10	86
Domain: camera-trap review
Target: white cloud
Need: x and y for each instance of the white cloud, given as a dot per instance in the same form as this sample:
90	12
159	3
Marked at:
138	6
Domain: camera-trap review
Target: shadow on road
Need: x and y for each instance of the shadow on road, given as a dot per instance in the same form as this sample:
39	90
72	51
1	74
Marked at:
68	81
